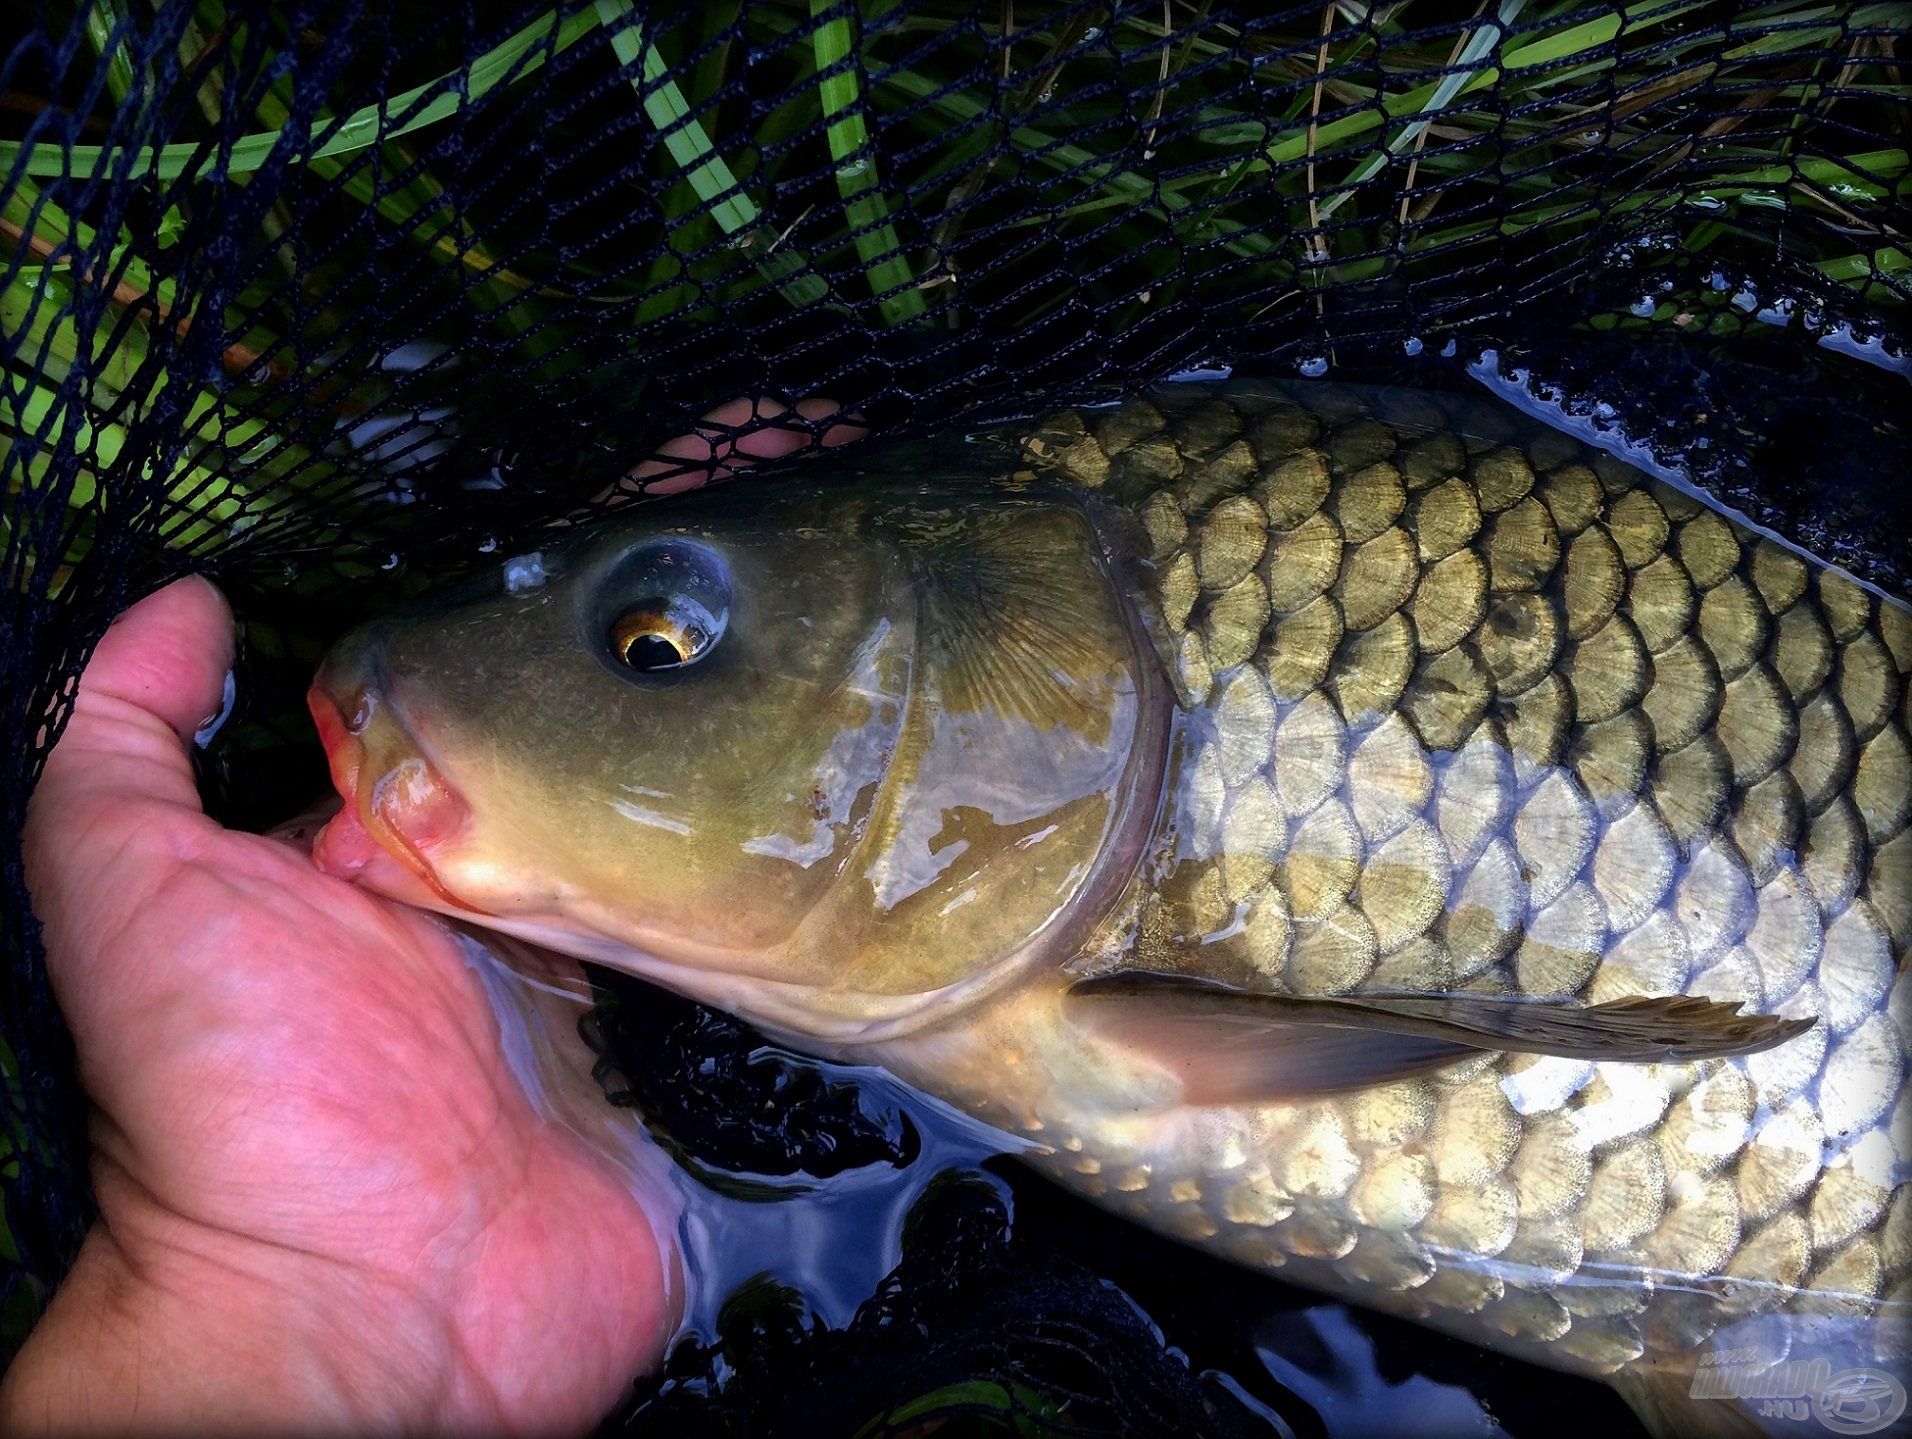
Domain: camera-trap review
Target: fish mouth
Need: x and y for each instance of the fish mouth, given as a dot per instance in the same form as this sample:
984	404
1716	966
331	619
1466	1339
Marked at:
398	808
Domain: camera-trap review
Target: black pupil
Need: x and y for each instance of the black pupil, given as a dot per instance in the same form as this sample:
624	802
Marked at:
652	652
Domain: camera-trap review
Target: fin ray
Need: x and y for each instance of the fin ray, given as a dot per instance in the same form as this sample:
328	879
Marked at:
1231	1045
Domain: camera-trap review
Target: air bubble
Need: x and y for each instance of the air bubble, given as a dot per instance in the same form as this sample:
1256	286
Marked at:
391	561
1313	366
1412	344
1642	307
488	544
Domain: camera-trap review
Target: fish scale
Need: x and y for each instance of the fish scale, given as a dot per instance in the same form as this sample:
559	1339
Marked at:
1467	712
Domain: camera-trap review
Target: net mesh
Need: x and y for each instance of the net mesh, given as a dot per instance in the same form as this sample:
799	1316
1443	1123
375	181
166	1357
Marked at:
327	298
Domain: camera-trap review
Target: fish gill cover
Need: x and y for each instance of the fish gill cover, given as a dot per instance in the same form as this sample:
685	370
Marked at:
328	299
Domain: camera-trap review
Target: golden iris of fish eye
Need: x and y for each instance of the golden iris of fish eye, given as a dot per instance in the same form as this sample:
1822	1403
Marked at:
653	620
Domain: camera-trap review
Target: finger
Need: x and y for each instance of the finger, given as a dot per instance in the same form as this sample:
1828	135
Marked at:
168	655
158	674
736	435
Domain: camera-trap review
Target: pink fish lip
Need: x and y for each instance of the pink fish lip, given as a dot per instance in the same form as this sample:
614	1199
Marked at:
397	803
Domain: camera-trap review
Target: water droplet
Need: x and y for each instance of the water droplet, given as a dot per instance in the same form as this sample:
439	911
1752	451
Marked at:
1449	350
1642	307
1045	97
1094	32
488	544
850	169
391	561
1313	366
1412	344
524	573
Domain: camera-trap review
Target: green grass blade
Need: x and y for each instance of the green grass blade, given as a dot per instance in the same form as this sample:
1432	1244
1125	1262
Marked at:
839	66
522	54
1479	44
714	182
102	17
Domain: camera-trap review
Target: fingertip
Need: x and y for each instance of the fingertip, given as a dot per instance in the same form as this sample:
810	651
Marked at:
736	435
845	424
169	654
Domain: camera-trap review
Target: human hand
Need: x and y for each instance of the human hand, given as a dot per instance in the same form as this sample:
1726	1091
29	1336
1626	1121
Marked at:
324	1201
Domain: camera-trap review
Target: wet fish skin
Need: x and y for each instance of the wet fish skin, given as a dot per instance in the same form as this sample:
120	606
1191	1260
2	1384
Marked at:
1489	711
1459	706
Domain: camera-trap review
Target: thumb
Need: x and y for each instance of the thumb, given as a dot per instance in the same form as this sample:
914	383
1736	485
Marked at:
157	675
168	655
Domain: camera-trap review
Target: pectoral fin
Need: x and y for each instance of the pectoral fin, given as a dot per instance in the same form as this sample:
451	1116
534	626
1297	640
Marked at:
1234	1046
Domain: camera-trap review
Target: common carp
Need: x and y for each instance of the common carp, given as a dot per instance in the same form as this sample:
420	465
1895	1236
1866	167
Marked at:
1367	835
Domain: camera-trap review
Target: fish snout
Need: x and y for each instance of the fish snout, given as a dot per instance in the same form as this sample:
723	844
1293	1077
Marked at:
397	803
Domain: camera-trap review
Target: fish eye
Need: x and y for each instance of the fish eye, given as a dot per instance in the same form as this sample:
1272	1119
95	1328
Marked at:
663	607
663	634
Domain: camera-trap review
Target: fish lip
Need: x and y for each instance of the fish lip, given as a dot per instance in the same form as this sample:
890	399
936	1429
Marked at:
402	825
343	752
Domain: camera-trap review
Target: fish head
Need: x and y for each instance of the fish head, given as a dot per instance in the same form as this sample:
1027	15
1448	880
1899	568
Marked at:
834	762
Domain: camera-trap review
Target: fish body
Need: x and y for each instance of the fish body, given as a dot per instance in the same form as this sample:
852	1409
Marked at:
1294	702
